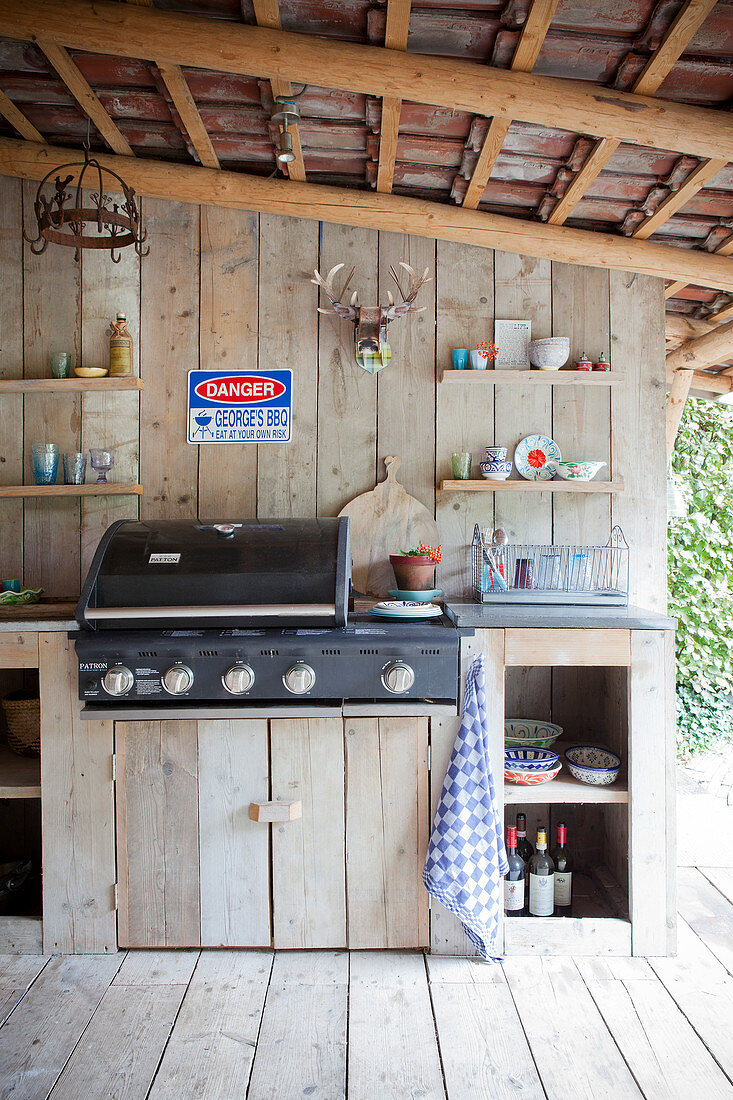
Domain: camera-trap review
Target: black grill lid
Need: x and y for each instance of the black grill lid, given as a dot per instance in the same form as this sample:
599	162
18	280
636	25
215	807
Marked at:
247	573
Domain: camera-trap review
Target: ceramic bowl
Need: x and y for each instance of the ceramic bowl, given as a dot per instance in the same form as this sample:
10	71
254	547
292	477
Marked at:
550	354
528	733
579	471
18	599
495	471
530	760
593	764
495	454
91	372
414	597
531	778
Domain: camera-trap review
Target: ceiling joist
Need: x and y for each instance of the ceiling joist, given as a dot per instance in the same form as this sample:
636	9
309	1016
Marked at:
676	199
395	38
17	119
529	45
188	112
187	40
679	35
85	97
267	14
394	213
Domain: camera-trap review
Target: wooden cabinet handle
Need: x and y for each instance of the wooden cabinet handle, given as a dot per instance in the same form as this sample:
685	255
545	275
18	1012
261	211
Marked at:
275	811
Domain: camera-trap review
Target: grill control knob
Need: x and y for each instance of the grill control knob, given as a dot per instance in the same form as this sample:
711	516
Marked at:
238	679
299	679
117	680
398	677
178	679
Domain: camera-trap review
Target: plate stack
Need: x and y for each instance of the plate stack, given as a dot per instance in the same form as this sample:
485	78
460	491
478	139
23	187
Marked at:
405	609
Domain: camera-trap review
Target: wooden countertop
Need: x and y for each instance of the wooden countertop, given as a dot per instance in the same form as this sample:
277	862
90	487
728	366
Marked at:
44	615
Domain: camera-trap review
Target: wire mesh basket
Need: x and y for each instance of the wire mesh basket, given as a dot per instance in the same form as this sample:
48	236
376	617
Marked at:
524	573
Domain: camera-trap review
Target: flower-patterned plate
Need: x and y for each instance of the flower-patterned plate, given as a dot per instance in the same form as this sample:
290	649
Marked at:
536	458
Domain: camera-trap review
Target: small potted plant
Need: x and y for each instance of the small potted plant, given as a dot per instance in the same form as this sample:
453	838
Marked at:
483	354
414	569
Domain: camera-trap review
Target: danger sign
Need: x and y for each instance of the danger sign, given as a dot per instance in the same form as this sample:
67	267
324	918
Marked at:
240	406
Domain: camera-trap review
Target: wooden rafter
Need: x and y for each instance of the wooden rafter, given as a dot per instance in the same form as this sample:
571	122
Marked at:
703	351
85	97
676	199
267	13
18	120
395	38
150	33
188	112
673	289
724	314
680	33
394	213
529	45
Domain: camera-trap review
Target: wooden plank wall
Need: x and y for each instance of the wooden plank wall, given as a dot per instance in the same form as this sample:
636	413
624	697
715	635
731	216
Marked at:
227	288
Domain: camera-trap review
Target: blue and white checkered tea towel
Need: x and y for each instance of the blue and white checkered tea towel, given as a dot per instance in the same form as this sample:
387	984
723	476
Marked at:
466	858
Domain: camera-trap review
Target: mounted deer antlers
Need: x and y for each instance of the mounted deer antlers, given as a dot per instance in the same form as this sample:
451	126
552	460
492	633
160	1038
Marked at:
370	322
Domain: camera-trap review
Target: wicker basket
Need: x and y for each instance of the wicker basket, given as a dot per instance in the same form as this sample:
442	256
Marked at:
23	718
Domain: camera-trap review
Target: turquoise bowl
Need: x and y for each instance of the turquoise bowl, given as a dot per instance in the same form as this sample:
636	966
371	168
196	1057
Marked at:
415	597
530	733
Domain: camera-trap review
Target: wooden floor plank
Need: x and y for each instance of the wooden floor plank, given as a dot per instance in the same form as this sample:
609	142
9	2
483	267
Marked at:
663	1052
721	878
392	1049
480	1060
708	913
17	974
572	1048
157	968
302	1044
118	1053
463	971
703	990
211	1049
37	1040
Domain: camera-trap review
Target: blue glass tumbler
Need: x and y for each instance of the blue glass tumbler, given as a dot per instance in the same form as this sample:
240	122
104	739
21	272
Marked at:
45	463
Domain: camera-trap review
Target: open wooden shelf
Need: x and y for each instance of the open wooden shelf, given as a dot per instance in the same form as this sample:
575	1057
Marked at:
69	385
532	377
20	776
564	789
599	924
485	486
108	490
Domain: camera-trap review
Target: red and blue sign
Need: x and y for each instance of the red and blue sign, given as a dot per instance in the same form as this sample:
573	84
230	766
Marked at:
240	406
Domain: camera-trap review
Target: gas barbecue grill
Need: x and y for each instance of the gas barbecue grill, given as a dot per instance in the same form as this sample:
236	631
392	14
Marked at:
188	614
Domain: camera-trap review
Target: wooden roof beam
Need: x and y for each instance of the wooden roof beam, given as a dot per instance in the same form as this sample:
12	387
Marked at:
17	119
395	38
85	97
394	213
267	14
703	351
188	40
679	35
529	45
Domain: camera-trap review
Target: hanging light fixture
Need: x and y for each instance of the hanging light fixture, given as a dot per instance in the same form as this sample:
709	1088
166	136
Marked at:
62	217
286	115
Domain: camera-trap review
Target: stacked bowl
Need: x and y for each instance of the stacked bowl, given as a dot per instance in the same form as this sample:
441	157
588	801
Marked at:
530	766
526	733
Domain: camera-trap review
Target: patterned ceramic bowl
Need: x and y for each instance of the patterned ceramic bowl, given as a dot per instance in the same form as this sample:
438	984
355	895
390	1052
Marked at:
528	733
530	760
493	453
593	764
529	778
550	354
579	471
495	471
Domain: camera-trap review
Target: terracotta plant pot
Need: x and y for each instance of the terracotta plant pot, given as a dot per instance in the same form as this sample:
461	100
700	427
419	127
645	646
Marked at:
413	574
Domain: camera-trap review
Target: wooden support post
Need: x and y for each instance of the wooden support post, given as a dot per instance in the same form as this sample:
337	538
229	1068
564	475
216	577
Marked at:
678	394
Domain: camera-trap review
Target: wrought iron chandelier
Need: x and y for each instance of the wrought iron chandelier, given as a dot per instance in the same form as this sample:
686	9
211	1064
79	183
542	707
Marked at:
62	217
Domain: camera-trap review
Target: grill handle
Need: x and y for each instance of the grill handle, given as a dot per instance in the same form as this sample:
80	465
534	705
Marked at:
217	611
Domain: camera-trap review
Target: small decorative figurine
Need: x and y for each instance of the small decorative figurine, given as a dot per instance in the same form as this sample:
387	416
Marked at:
584	363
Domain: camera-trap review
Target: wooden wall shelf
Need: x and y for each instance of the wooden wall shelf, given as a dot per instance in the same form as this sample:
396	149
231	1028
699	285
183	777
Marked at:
564	789
20	776
69	385
485	486
532	377
108	490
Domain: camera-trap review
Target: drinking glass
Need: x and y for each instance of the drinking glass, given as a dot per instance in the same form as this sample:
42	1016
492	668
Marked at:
101	461
45	463
461	462
460	358
75	468
60	364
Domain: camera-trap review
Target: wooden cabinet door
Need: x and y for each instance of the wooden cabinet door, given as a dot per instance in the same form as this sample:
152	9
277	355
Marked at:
386	831
308	854
192	868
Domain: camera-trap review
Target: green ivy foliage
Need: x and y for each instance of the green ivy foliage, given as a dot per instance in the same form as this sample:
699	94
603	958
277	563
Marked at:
700	566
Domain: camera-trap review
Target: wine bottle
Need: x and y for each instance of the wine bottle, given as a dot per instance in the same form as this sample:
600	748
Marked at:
541	879
515	879
563	875
524	848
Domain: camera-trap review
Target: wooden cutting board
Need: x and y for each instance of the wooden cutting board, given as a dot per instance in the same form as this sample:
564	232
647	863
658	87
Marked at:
383	521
